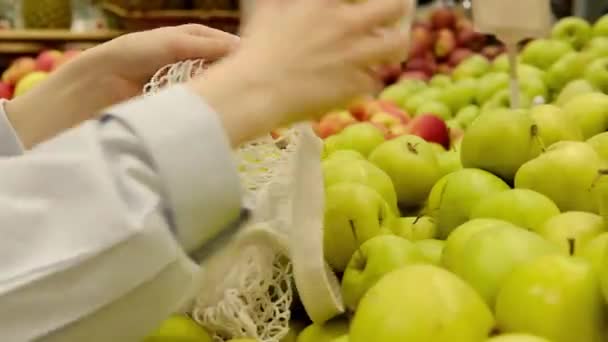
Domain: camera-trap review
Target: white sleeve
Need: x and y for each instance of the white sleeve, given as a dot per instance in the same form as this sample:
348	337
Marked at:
10	145
97	224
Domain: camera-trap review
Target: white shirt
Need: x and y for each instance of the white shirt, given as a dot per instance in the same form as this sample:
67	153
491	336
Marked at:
97	224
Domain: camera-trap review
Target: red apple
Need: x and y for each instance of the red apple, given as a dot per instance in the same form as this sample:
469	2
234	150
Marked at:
459	55
6	91
445	44
443	18
492	51
334	123
359	110
47	60
431	128
422	65
414	75
389	74
20	67
471	39
422	40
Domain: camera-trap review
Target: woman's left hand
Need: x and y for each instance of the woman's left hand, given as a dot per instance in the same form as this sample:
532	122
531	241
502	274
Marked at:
110	73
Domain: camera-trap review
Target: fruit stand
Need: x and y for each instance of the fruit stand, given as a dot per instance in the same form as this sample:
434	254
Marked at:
449	215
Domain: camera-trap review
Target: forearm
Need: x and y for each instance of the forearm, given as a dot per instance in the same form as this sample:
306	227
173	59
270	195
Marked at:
67	98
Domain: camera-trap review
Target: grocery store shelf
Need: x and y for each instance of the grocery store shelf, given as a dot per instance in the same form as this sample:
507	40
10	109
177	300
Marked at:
57	35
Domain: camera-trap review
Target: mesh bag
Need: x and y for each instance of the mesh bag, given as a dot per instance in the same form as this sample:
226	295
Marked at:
250	284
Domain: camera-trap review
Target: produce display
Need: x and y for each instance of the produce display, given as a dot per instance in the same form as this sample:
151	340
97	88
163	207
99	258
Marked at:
450	216
26	72
439	44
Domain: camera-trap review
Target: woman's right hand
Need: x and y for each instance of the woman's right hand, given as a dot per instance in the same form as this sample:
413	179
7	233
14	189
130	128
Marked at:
301	58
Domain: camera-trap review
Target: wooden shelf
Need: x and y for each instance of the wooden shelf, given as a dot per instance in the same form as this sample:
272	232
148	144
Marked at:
57	35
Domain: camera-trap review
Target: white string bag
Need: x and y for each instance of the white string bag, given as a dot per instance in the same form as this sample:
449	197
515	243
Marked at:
249	285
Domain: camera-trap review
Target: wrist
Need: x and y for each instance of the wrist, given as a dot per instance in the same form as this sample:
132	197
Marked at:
68	97
247	102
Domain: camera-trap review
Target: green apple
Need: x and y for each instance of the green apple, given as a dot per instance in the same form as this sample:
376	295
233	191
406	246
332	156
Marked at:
343	338
568	68
594	252
533	87
502	99
179	328
573	89
421	97
600	28
412	165
449	162
456	242
490	84
525	208
360	171
375	258
501	63
474	66
421	303
554	125
500	141
492	254
542	53
573	30
361	137
556	297
597	74
415	228
431	249
565	173
344	155
526	70
440	81
460	94
434	107
354	213
599	142
399	93
295	328
467	115
453	197
324	332
598	46
589	112
517	338
572	230
438	148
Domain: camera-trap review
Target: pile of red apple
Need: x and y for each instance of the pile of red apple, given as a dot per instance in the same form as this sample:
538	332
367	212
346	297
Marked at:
442	42
36	69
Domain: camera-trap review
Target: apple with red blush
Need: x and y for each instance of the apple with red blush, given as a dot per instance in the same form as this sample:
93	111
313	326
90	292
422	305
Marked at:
47	60
459	55
334	123
6	91
445	44
431	128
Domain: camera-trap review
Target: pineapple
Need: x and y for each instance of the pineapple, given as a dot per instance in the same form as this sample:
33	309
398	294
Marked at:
47	14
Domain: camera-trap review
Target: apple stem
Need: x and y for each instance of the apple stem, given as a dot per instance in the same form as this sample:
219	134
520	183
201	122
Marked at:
534	134
352	228
600	174
412	147
571	246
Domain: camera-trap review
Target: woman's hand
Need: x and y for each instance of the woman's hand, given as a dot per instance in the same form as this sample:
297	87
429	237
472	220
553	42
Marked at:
300	58
108	74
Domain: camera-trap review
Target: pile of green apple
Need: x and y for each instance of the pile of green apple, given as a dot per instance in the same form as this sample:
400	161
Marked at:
501	238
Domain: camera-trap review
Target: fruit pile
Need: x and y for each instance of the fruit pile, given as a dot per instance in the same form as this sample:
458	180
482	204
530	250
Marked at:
442	42
572	61
26	72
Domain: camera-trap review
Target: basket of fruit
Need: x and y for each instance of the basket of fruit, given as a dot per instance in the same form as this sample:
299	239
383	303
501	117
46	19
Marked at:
124	18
